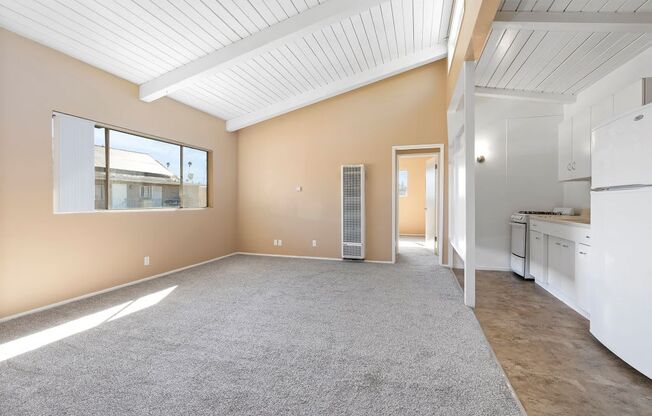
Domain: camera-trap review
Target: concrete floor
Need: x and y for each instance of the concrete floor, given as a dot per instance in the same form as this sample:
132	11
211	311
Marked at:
553	363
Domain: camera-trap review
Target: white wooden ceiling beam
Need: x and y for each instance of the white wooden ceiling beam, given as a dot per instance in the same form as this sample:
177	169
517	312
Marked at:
524	95
378	73
575	21
267	39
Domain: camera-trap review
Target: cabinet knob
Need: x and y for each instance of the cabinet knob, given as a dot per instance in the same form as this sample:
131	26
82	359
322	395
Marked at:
573	165
568	167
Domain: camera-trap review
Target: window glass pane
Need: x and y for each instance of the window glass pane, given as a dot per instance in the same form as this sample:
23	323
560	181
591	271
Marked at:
402	183
144	173
195	178
100	168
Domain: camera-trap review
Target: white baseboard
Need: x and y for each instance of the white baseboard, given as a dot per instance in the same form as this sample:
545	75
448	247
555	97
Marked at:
571	304
494	268
247	253
110	289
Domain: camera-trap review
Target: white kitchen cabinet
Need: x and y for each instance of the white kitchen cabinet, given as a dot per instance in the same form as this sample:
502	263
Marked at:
575	147
602	111
633	96
583	286
581	148
538	257
561	268
565	149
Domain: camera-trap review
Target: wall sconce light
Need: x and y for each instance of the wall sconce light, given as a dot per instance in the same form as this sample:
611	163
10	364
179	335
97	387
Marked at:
480	159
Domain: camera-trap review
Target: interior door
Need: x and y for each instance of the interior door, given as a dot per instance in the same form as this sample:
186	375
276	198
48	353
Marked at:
431	203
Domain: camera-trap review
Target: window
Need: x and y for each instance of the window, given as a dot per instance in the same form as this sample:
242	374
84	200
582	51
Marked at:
143	173
195	178
403	183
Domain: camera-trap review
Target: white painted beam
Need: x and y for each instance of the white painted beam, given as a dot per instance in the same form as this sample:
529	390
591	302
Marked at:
575	21
525	95
378	73
272	37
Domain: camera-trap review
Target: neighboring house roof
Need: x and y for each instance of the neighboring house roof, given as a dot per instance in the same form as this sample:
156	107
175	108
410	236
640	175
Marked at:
135	166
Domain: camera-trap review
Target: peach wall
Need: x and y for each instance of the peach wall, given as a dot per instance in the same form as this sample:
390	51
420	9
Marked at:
46	258
307	147
412	218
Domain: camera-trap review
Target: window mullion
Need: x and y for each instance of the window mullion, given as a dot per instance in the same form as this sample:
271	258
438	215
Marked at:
107	159
181	177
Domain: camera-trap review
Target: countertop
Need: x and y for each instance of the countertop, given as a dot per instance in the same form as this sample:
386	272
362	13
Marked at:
565	219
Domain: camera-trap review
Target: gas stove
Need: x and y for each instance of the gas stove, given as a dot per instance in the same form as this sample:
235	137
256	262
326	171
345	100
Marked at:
519	223
521	217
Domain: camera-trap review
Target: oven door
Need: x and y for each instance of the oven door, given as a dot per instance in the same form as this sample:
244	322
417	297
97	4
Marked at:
519	234
518	239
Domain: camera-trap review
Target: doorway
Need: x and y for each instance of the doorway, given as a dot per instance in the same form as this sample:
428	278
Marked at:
418	199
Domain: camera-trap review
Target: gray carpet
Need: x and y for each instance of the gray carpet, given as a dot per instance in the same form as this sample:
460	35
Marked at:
267	336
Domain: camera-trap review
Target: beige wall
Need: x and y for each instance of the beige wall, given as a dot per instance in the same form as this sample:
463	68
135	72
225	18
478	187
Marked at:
411	213
45	258
307	147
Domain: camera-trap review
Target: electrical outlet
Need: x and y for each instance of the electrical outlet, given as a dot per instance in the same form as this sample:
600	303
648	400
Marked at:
280	243
275	242
314	243
146	260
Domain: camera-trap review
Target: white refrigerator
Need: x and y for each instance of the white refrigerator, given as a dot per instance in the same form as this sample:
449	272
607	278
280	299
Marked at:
621	234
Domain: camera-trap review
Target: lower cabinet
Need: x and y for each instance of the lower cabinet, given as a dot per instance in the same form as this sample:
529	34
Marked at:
561	267
560	262
583	286
538	256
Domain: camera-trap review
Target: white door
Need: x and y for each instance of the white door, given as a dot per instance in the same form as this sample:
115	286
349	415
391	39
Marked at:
431	203
581	161
565	149
536	256
583	277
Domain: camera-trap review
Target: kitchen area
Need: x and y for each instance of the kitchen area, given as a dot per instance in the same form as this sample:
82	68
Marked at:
594	260
563	284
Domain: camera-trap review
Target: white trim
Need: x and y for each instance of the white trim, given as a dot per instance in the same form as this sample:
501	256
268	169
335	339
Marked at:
342	86
411	235
544	97
247	253
267	39
575	21
567	301
415	155
469	154
493	268
110	289
440	197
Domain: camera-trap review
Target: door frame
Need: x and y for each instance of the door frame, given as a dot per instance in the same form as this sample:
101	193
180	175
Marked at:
440	194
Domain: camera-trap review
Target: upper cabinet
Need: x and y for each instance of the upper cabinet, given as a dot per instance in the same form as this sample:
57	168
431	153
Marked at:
575	132
602	111
575	147
581	165
565	149
633	96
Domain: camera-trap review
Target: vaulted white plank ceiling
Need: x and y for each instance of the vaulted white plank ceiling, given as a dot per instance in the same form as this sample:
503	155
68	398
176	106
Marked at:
553	49
241	60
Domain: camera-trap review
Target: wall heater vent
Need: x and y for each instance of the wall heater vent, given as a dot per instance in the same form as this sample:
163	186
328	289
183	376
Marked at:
353	241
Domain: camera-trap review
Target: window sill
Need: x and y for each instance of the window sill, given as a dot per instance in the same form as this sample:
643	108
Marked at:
112	211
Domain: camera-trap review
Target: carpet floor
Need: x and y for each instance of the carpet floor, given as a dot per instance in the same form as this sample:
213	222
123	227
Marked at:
251	335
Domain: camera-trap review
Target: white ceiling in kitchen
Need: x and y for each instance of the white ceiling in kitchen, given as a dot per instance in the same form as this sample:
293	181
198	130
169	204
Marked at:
559	47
